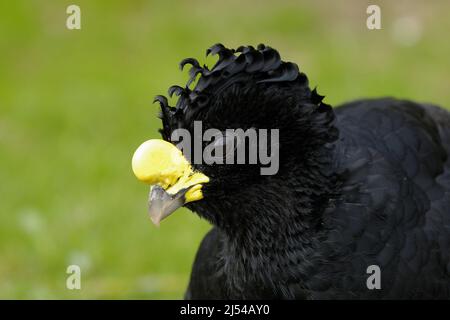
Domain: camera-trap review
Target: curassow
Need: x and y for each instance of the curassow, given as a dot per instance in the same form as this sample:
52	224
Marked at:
362	187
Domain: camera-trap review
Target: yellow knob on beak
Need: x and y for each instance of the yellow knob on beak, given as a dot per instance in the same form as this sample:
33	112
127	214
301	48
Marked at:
160	163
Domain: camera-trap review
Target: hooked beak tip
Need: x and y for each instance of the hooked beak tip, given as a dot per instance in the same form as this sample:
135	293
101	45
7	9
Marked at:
162	204
156	221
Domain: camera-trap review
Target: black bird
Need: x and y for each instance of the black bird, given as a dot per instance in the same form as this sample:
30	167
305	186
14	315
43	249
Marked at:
361	185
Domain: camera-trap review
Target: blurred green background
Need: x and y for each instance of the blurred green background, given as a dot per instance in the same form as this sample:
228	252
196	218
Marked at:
75	104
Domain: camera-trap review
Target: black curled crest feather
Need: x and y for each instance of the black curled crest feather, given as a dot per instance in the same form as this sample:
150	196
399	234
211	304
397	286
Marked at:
262	65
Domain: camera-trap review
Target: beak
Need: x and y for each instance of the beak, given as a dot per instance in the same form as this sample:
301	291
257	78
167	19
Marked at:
172	178
162	204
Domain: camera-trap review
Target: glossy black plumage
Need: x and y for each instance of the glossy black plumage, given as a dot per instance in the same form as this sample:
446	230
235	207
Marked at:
366	183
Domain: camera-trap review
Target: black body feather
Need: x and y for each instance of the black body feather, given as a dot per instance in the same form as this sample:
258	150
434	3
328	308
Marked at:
367	183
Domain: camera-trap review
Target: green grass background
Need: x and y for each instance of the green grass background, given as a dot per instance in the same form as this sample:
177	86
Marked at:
74	105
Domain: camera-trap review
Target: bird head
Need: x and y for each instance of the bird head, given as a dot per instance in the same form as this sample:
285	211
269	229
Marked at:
248	89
